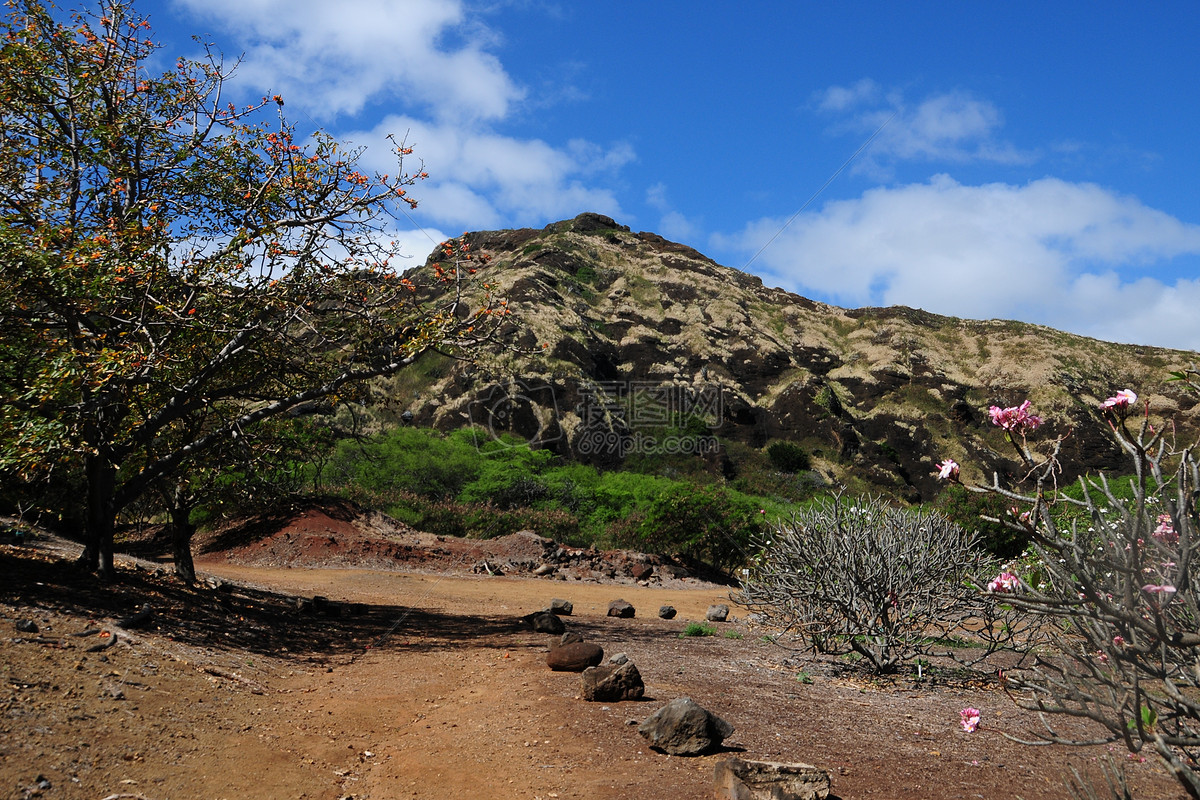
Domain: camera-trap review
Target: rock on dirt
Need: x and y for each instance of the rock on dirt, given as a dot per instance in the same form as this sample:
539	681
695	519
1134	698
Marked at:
717	613
683	728
622	609
612	683
737	779
574	657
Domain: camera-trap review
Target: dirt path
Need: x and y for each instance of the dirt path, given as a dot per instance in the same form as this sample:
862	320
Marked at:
436	689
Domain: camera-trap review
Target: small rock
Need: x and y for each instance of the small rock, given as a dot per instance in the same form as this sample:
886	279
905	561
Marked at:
717	613
641	572
622	609
543	570
545	622
612	683
619	658
27	626
736	779
570	637
683	728
575	657
667	612
561	607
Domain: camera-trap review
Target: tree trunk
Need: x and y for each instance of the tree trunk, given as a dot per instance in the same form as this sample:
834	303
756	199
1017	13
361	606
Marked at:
97	553
182	530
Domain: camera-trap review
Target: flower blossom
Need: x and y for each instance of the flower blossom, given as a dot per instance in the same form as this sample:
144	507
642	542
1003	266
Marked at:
1004	583
969	719
948	470
1165	532
1163	590
1122	399
1016	418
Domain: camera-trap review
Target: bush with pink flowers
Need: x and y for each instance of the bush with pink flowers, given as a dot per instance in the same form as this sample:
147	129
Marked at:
1120	580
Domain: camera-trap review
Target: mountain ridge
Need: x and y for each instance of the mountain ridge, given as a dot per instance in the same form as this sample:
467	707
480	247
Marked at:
876	395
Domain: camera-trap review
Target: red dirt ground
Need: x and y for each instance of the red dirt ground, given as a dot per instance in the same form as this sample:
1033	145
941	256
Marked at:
430	686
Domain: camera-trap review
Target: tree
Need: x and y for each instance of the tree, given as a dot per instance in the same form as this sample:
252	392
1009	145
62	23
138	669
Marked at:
175	269
1116	574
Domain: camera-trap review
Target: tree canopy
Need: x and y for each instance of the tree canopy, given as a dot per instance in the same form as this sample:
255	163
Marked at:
176	269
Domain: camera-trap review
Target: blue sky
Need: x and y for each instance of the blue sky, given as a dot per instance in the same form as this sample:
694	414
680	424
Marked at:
1031	161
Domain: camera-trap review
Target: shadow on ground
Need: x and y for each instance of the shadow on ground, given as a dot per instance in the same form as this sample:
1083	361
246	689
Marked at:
231	616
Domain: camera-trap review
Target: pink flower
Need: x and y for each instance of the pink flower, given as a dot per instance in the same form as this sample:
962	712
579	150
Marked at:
1165	532
1024	517
969	719
1163	590
1016	418
1122	399
947	470
1004	582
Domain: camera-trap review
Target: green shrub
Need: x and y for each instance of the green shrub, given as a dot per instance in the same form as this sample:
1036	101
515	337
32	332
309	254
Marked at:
709	523
422	462
482	521
788	457
697	629
967	510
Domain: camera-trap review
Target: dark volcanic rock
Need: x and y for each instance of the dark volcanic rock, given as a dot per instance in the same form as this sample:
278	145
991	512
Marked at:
561	607
683	728
574	657
622	609
546	622
612	683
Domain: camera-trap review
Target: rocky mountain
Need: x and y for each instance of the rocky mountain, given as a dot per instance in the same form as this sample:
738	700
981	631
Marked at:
625	342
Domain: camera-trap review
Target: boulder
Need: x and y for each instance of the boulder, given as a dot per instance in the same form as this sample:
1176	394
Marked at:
641	572
612	683
683	728
545	622
717	613
667	612
619	608
561	607
736	779
575	657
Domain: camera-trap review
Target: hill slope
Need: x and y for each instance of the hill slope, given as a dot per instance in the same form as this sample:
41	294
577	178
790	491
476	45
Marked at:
618	333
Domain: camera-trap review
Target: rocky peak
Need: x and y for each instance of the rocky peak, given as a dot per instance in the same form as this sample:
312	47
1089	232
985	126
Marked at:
606	318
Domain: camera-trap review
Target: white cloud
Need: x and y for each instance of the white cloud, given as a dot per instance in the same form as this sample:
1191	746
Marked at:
482	179
428	57
842	98
1064	254
950	126
672	224
334	58
416	244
